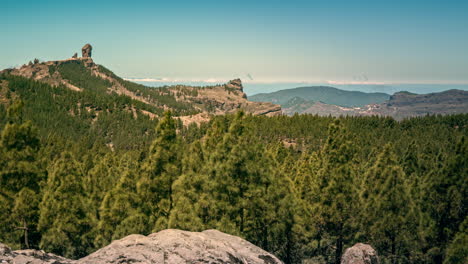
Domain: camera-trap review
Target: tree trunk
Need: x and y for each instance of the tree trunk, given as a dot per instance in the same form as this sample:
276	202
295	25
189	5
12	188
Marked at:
339	249
25	233
26	239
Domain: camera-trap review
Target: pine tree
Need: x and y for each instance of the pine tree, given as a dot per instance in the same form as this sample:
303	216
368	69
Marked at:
20	179
234	171
119	212
100	179
457	252
26	214
19	147
189	192
160	169
448	198
64	220
336	206
388	207
288	219
415	170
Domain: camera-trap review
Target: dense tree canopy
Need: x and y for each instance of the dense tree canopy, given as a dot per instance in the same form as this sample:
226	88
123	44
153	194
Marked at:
303	187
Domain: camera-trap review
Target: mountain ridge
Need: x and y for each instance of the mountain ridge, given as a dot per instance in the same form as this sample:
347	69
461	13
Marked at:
325	94
400	105
191	103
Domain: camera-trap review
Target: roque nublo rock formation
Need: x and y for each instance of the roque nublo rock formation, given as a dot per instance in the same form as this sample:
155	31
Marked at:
86	51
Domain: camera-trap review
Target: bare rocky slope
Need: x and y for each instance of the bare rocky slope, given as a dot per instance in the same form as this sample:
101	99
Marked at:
191	104
167	246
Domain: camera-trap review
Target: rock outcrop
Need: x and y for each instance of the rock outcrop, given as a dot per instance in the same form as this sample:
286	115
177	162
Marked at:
29	256
236	84
360	254
176	246
167	246
86	51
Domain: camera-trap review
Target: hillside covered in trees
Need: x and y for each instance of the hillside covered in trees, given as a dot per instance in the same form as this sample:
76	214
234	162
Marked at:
95	84
87	157
302	187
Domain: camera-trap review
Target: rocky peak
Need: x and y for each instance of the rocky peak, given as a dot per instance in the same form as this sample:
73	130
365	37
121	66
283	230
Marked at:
86	51
236	84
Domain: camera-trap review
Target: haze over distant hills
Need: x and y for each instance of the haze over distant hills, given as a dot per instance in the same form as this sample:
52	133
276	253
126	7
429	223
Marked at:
332	101
253	87
325	94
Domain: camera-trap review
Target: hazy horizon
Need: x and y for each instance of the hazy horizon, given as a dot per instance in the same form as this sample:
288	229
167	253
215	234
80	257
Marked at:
363	42
252	88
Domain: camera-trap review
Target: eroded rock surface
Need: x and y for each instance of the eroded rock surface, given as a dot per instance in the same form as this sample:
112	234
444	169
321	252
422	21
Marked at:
360	254
86	51
176	246
236	84
29	256
168	246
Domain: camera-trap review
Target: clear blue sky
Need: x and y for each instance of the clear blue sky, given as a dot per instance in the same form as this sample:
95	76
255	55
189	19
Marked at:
338	41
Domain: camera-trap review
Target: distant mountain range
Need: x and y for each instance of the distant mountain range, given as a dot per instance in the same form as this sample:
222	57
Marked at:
324	94
322	100
90	91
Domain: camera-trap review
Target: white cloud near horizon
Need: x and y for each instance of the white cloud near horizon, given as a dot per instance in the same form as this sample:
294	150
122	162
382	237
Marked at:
355	83
267	81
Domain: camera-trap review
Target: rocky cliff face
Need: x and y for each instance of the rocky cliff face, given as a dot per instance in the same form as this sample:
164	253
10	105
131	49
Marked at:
226	98
167	246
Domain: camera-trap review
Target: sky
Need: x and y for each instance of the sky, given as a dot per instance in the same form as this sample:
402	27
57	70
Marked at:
335	42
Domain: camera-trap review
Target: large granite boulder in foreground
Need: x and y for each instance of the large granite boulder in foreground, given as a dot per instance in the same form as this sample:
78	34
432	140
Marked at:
167	246
360	254
175	246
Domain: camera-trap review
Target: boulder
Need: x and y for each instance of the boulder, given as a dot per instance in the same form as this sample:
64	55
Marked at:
29	256
360	254
167	246
75	55
176	246
86	51
4	250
